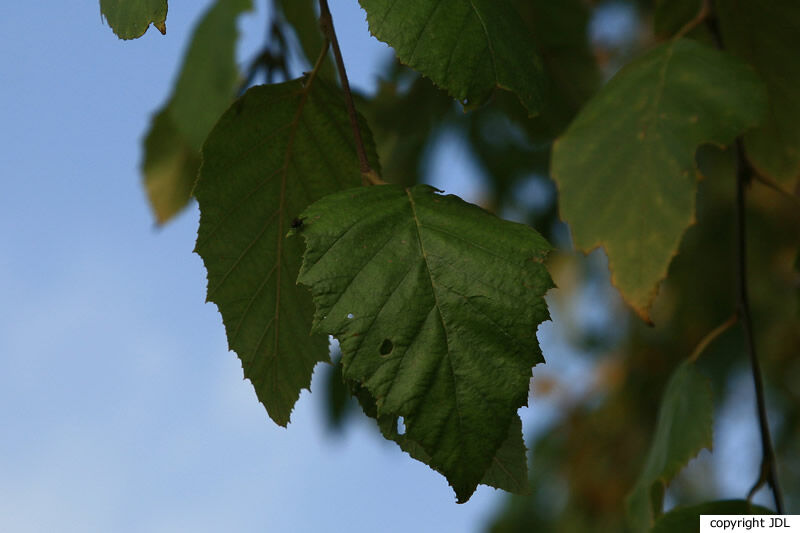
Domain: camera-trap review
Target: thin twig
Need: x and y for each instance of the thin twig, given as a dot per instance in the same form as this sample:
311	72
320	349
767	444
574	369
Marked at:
775	186
702	15
318	63
769	469
368	175
744	175
266	59
712	335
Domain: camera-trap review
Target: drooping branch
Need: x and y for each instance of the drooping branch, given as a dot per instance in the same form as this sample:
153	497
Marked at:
369	176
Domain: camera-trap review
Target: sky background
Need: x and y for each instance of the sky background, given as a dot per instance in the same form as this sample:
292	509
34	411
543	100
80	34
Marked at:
121	409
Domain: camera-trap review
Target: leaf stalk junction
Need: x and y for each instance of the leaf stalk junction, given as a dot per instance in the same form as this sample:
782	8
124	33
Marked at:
368	175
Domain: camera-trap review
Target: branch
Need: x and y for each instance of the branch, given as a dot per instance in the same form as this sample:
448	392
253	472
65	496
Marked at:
744	175
712	335
368	175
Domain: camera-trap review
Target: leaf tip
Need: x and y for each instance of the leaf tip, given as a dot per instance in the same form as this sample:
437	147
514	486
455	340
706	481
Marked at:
463	494
639	301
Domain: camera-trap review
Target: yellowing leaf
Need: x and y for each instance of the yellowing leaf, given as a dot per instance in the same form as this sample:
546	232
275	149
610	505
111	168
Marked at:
204	89
625	168
170	167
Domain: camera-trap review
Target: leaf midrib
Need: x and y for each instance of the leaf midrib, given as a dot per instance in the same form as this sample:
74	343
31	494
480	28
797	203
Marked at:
418	227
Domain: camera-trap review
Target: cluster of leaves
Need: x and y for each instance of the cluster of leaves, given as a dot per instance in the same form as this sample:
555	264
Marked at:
435	302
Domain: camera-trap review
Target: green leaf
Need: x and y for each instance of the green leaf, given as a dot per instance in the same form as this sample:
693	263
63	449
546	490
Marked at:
509	467
435	303
277	149
687	519
765	34
625	168
467	48
129	19
508	470
204	89
684	428
208	78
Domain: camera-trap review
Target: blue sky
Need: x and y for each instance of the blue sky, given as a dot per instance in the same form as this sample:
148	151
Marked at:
121	408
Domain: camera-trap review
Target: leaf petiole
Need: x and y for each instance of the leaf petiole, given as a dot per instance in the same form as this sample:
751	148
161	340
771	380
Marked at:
712	336
368	175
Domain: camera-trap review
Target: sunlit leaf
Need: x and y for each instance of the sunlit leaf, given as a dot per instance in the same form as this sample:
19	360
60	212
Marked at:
684	428
204	89
277	149
625	168
435	303
129	19
467	48
766	35
687	519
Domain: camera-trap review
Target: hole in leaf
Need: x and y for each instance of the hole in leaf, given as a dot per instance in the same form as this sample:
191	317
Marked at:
386	347
401	426
349	315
